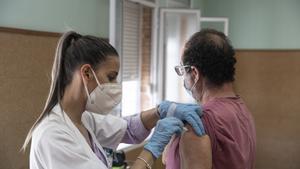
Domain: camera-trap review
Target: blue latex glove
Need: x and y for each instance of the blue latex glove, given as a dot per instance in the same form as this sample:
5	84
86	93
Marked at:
163	133
189	113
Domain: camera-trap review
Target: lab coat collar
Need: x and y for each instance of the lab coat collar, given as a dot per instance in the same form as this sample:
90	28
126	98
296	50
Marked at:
59	111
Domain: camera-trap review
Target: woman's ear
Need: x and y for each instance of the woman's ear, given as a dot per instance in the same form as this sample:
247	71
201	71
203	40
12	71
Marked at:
86	76
86	73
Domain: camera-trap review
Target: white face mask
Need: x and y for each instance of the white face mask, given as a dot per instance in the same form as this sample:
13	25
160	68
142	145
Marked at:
116	111
104	98
189	90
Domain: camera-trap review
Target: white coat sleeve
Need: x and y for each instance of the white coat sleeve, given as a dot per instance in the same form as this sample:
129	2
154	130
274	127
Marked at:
109	130
58	150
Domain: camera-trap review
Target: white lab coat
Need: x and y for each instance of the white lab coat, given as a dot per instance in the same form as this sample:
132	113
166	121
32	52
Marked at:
58	144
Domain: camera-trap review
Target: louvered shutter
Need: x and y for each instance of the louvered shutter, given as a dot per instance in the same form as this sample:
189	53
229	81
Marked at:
131	41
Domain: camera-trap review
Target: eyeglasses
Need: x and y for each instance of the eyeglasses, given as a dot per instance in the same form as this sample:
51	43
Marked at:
180	70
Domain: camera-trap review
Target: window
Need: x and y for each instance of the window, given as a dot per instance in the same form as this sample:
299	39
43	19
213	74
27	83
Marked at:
134	42
130	62
133	35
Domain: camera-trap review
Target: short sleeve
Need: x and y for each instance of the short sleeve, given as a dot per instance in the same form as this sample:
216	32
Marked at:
209	123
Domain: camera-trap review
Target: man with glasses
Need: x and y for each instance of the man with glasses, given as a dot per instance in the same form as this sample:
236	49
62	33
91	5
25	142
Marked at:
207	66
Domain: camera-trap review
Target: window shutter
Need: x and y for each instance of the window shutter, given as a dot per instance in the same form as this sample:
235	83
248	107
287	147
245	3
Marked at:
131	41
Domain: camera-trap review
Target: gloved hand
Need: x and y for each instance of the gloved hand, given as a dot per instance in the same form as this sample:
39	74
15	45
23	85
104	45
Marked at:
189	113
163	133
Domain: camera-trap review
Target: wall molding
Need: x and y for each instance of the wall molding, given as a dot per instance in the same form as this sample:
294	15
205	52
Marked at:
29	32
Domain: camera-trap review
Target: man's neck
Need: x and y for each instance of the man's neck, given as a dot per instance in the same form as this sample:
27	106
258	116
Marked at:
226	90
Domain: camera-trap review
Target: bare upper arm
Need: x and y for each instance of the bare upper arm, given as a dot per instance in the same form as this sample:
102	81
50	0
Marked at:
195	151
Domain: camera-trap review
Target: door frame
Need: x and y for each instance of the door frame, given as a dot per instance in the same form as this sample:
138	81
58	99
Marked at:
217	19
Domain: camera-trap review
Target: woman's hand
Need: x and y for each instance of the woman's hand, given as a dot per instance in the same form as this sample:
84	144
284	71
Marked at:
189	113
163	132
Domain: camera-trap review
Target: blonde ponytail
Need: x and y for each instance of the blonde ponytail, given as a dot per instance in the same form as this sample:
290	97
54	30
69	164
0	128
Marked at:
55	92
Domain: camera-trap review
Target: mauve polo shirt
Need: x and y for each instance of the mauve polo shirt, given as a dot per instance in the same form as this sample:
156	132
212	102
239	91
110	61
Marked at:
231	129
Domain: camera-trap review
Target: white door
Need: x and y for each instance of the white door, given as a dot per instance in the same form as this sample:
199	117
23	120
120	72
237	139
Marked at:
176	27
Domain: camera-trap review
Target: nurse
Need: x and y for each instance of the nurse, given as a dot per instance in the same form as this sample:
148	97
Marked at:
76	128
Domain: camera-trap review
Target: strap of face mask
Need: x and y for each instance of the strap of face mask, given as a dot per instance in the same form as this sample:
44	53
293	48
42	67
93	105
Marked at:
96	78
86	90
85	87
101	86
197	78
194	84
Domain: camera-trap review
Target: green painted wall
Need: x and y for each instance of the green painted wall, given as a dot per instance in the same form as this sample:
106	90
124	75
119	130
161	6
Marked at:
253	24
84	16
198	4
259	24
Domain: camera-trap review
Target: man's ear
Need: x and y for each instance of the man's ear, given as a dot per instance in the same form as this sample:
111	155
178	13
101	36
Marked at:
196	73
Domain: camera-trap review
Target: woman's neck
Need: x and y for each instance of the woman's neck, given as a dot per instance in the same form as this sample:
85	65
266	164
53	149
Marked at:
73	104
226	90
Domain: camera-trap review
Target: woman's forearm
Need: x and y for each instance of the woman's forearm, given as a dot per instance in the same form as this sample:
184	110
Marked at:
144	159
149	118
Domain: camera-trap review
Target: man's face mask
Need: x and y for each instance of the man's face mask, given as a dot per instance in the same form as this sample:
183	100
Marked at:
187	80
104	98
182	70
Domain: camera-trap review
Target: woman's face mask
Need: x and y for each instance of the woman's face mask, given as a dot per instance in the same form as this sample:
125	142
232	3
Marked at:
104	98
